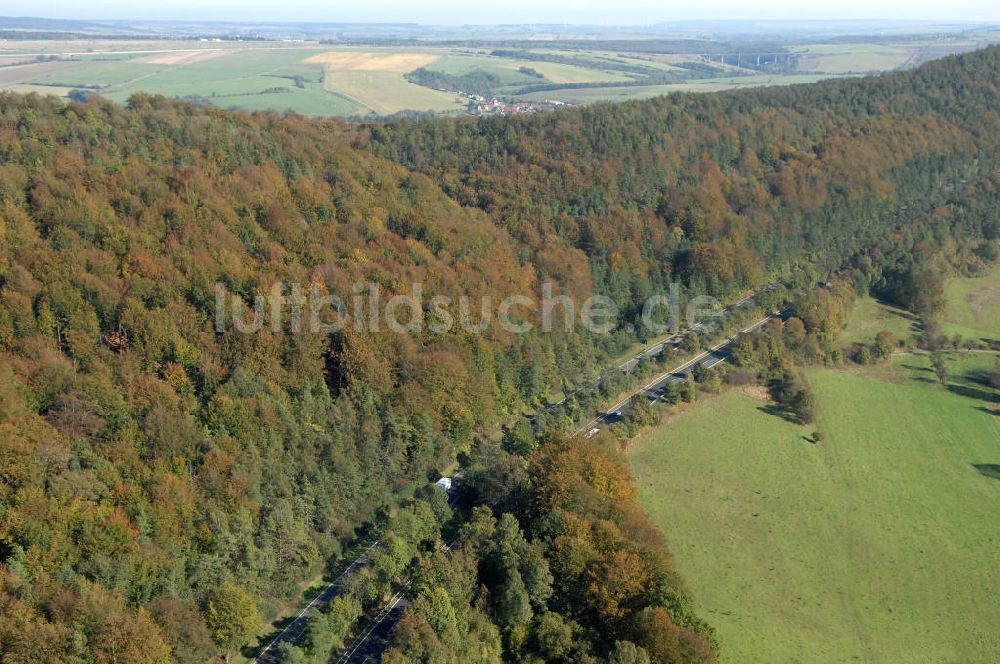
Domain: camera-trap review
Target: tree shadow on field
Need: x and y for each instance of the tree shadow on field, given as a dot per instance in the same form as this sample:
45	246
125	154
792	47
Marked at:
980	377
972	392
913	367
991	470
778	411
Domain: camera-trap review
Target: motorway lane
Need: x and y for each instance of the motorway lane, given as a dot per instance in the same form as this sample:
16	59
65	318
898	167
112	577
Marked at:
654	389
371	644
369	648
294	631
661	345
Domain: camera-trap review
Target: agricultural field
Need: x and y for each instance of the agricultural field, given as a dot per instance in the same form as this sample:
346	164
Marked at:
716	84
507	69
972	311
375	82
324	80
876	545
854	58
248	79
19	73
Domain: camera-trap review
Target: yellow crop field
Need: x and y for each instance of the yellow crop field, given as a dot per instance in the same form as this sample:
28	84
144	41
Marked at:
360	61
183	57
385	92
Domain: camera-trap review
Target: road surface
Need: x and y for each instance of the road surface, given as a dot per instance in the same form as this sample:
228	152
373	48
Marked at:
659	346
369	646
654	389
296	629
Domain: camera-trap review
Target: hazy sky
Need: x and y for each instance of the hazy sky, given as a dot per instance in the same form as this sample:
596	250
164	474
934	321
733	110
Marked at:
611	12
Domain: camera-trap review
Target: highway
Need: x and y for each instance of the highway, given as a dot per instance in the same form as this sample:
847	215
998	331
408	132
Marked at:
293	631
368	646
375	638
659	346
654	389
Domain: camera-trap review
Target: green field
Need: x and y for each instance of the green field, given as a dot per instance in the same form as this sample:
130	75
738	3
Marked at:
252	79
972	311
104	74
504	69
362	80
511	79
384	92
307	102
717	84
973	306
877	545
870	317
855	58
558	72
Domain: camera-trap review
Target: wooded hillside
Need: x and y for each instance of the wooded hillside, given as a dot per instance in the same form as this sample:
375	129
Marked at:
161	481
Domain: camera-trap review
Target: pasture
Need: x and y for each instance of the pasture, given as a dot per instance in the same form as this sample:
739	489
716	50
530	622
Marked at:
869	317
507	69
877	545
973	306
248	79
367	61
22	74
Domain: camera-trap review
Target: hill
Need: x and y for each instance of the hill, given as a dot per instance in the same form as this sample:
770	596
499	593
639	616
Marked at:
719	190
151	456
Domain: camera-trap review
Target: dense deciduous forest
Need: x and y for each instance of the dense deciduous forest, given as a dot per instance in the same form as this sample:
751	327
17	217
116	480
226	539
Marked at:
717	190
579	575
162	484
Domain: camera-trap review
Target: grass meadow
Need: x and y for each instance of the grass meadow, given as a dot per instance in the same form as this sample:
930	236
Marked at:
973	306
716	84
877	545
855	58
250	80
870	317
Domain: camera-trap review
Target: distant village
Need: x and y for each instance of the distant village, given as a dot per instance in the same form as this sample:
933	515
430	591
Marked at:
480	105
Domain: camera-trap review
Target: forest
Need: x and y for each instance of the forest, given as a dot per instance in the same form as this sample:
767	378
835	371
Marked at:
163	485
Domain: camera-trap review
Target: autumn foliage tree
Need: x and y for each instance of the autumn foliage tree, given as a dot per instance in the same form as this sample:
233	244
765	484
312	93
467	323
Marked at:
148	459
